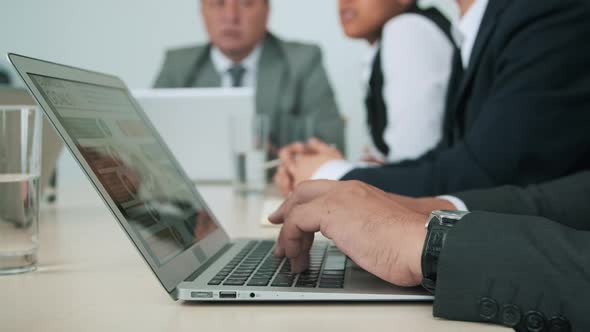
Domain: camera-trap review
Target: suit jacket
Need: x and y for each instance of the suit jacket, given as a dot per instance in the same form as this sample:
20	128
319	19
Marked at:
565	200
521	113
292	86
517	269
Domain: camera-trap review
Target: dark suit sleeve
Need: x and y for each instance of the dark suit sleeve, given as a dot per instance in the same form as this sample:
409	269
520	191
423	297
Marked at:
533	124
317	100
497	268
565	200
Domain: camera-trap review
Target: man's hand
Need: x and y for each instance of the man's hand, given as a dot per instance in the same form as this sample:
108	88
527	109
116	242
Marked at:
365	223
283	181
370	158
287	155
317	154
299	162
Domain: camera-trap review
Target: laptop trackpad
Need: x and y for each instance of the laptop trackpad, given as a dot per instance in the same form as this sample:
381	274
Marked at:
360	280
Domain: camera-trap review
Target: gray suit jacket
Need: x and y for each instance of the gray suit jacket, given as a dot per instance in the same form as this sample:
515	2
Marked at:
292	87
522	269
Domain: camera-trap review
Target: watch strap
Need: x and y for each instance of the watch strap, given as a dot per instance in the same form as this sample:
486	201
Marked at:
439	225
435	241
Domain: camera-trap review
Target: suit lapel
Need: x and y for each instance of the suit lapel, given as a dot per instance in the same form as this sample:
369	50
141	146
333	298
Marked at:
209	76
271	72
203	73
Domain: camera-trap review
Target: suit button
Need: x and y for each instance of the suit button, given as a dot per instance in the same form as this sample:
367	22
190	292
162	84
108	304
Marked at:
488	308
559	324
510	315
535	321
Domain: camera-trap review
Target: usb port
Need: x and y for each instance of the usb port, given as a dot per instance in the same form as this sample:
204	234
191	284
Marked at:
202	295
227	295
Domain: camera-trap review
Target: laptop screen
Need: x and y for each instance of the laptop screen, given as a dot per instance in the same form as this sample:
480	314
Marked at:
131	163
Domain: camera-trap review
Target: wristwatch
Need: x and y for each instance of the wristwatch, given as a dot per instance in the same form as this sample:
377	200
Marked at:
438	225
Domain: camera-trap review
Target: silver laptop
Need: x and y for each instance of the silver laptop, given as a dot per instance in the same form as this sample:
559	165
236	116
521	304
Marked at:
184	117
164	215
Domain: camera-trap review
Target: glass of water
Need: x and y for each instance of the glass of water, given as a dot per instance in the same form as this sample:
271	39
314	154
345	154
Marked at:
20	157
250	146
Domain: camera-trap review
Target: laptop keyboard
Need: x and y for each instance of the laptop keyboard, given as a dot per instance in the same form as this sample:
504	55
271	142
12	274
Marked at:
255	265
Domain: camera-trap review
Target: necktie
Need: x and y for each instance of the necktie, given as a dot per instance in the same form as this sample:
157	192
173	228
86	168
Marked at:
376	108
237	72
452	132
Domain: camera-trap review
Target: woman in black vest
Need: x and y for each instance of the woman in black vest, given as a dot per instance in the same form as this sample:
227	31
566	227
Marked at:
406	77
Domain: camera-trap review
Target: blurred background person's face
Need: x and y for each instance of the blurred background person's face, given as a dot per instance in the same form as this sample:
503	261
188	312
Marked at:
235	26
364	19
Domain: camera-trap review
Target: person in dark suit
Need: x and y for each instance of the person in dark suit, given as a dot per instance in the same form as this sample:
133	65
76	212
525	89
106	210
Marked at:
525	264
290	82
554	200
518	109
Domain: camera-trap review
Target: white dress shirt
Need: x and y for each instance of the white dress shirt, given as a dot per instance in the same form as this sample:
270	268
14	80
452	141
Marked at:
222	65
455	201
415	58
466	31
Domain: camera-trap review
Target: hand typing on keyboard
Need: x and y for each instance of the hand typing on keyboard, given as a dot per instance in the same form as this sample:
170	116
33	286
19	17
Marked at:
365	223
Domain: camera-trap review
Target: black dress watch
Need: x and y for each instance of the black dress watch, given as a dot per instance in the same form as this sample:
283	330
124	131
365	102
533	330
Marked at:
438	225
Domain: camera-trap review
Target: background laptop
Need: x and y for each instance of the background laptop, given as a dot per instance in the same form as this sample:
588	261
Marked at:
163	214
187	118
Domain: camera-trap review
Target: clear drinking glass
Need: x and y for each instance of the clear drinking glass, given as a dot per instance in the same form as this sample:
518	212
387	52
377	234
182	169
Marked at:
250	146
20	158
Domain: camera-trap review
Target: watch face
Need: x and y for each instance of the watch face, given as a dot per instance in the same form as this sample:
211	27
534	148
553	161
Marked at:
442	217
453	215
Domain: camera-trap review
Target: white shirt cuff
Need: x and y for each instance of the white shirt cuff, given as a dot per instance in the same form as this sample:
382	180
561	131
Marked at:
333	170
457	202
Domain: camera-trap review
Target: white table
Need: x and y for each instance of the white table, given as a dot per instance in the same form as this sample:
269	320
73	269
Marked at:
91	278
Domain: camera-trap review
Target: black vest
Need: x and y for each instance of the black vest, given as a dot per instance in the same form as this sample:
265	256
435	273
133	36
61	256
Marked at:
374	102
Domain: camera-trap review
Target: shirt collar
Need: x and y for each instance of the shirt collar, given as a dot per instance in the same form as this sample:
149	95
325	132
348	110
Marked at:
367	62
448	8
466	30
222	63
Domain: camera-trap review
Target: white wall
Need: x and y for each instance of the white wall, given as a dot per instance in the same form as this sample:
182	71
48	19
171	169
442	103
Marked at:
128	38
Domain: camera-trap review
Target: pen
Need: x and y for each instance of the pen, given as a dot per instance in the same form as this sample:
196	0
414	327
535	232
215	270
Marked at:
271	164
277	162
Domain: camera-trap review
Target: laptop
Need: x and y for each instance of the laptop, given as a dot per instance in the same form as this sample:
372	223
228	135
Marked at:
184	117
162	212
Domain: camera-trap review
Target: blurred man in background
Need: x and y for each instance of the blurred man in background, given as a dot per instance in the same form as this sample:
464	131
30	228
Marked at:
291	84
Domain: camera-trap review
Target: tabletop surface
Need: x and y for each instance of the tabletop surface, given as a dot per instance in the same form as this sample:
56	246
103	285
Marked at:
91	278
